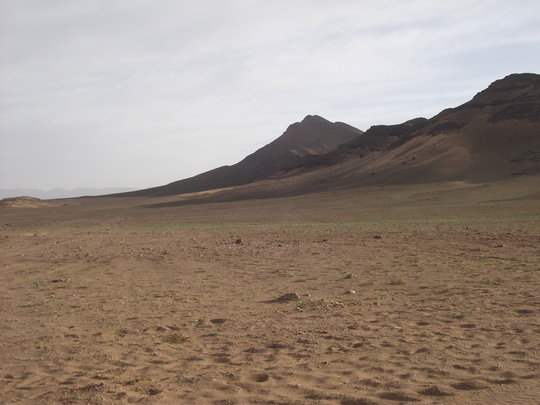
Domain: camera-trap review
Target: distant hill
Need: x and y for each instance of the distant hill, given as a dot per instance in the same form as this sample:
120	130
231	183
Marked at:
60	192
493	137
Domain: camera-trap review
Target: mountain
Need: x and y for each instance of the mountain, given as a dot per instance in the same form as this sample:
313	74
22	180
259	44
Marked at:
493	137
314	136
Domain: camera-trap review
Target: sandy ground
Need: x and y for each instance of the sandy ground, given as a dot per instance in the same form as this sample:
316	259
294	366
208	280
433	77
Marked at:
425	303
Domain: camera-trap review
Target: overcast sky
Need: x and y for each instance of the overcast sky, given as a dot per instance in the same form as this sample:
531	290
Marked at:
140	93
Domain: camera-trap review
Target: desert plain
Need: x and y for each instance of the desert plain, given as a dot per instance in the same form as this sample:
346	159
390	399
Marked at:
424	294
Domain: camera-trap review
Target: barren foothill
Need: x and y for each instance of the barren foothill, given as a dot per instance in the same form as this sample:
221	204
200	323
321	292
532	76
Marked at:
421	294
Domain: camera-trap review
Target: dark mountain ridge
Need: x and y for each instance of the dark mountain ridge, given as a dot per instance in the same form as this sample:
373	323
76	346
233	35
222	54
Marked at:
314	136
489	138
492	137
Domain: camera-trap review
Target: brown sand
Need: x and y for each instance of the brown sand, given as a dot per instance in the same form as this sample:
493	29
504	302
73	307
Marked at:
402	300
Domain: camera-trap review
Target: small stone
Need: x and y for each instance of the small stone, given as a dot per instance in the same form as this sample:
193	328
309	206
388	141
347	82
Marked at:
350	292
153	391
377	237
351	275
289	297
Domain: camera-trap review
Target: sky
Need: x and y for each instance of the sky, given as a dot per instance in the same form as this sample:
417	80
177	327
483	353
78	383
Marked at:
140	93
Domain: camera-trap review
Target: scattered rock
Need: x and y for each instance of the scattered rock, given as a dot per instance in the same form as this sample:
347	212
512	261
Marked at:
153	391
175	339
263	377
238	241
350	292
60	280
351	275
289	297
93	387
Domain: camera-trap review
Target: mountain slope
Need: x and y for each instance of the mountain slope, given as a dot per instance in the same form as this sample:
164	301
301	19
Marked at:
314	136
493	137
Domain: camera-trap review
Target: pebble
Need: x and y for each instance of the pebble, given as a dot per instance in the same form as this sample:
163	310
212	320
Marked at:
289	297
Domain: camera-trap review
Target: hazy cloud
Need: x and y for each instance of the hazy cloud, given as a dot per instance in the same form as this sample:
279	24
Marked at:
144	92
